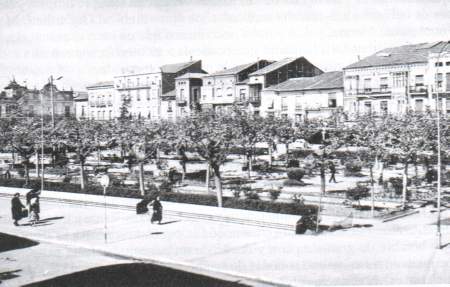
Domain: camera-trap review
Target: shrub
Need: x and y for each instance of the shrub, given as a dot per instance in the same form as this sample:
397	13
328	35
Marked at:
352	168
250	194
397	185
296	174
165	186
274	194
358	192
293	163
199	199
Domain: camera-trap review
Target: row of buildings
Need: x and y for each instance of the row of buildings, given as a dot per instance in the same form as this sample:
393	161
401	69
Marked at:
392	80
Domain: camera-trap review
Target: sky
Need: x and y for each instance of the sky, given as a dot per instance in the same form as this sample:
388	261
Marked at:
87	41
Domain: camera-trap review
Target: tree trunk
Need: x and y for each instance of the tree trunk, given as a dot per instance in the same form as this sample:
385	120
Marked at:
207	177
27	172
270	155
141	178
218	183
82	183
287	155
372	195
37	164
322	178
405	182
183	170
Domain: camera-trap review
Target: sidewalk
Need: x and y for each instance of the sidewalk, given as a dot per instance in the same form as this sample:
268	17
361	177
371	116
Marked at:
398	252
247	217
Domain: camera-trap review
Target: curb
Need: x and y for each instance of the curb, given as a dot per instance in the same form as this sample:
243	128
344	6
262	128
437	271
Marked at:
400	216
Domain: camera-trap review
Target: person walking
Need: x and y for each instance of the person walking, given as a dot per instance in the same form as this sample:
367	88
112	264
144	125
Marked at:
33	205
157	210
332	168
17	208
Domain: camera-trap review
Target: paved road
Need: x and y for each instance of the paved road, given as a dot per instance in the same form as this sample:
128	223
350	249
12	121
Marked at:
398	252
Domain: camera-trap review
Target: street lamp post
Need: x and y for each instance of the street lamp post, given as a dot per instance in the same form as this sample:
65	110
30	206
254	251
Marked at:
104	181
438	120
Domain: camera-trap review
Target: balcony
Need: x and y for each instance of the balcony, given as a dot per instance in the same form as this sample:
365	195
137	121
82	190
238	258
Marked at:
422	90
374	92
181	102
298	108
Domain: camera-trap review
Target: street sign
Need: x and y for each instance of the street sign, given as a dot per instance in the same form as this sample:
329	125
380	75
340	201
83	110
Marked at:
104	180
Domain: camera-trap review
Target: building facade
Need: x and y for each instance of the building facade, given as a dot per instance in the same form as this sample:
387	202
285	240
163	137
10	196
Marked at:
8	98
151	95
188	90
224	88
305	98
81	105
398	79
36	102
103	101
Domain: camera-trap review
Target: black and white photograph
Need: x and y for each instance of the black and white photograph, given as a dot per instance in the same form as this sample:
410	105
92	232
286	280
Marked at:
224	143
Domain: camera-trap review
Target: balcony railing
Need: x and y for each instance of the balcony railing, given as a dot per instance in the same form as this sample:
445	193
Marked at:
374	91
418	89
181	102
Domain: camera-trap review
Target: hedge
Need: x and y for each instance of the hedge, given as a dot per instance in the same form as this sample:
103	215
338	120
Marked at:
199	199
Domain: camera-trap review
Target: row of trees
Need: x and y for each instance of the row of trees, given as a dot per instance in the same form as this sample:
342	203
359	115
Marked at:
212	137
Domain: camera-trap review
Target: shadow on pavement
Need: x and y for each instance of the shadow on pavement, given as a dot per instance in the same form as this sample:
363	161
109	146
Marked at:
170	222
9	275
157	233
11	242
137	274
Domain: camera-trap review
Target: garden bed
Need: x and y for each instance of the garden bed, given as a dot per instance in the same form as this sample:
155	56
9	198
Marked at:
199	199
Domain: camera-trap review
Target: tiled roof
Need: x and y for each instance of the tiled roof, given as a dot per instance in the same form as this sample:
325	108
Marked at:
101	84
174	68
81	96
191	76
407	54
329	80
233	71
273	66
170	94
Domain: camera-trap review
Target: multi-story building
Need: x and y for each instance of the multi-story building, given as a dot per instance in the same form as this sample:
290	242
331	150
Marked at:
35	102
188	88
396	79
244	84
304	98
103	101
152	94
81	103
224	88
8	98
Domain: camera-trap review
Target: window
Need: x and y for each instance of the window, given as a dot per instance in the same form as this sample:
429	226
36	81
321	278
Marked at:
447	63
383	83
148	81
138	95
103	115
67	111
219	92
447	80
129	83
98	115
438	64
368	107
110	115
419	105
367	85
298	103
439	80
92	115
82	111
332	100
400	79
229	92
148	95
284	104
137	82
30	110
419	81
181	94
109	100
242	94
384	107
